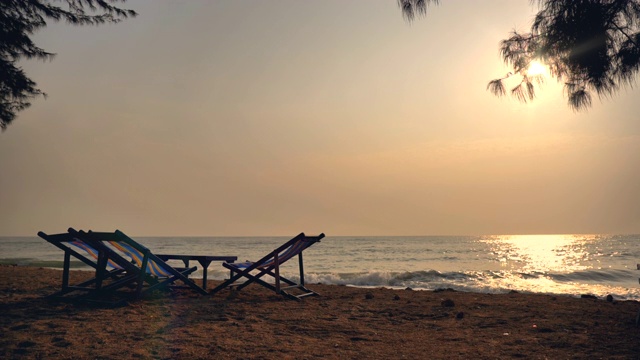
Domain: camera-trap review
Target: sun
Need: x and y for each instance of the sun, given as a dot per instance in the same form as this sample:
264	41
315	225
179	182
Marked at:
536	68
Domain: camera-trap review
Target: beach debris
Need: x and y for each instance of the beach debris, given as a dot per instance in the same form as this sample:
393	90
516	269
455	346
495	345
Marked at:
610	298
408	289
26	344
358	338
447	303
443	290
19	327
396	297
588	296
460	315
368	296
545	330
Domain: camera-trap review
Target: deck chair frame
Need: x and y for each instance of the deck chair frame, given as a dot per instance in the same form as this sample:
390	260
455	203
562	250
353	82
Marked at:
98	262
123	273
145	281
270	265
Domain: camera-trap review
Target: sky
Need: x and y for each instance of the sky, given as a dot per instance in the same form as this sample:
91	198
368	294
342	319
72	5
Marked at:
251	118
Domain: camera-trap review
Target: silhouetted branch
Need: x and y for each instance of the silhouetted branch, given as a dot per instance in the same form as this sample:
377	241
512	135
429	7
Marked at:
590	45
579	100
496	87
411	8
19	19
629	59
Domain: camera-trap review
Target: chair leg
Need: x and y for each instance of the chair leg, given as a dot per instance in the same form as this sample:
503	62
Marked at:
233	278
65	270
276	264
301	267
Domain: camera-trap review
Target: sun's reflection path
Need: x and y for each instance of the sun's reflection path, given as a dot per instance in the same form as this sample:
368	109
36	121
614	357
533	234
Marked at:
543	253
549	263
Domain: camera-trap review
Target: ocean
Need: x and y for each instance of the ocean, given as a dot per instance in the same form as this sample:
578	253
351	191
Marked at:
571	265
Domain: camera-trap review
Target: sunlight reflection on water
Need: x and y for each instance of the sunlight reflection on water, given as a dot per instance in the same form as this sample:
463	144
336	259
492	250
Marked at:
559	264
543	253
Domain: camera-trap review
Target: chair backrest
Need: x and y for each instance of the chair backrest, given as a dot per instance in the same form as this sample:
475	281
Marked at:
121	244
70	245
92	252
290	249
153	267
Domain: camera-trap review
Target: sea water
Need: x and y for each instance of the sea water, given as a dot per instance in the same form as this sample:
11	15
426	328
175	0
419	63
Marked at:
555	264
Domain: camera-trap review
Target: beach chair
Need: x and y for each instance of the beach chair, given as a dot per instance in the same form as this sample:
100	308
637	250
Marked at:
87	254
244	274
119	263
152	272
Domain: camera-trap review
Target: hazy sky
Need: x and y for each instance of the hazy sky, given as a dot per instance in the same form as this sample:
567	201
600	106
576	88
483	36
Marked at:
275	117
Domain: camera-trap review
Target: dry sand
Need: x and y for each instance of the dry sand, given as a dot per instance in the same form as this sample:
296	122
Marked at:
345	322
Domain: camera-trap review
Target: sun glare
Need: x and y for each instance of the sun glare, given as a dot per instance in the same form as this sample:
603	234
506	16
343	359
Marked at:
536	68
544	252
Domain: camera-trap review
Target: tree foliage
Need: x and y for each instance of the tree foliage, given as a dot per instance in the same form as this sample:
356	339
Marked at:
411	8
19	20
592	46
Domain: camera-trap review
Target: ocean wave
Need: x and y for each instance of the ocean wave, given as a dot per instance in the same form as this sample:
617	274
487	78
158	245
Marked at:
620	283
597	276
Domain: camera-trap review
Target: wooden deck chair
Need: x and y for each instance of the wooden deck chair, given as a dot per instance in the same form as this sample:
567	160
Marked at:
150	271
114	270
270	264
108	274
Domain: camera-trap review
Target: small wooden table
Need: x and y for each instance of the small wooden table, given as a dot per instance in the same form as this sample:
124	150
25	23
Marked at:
204	260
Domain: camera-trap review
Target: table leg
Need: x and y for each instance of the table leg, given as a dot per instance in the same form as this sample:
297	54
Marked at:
205	266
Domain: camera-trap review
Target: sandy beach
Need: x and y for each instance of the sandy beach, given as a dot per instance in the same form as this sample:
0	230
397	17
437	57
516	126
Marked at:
345	322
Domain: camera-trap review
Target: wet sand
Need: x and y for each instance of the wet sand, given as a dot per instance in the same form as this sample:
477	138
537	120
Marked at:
345	322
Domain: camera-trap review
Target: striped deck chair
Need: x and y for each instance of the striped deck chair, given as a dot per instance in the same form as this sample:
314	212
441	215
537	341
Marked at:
108	273
138	258
95	254
252	272
118	262
150	272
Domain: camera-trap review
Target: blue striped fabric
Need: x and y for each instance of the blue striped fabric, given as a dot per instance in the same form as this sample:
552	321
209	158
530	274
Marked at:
93	252
152	267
